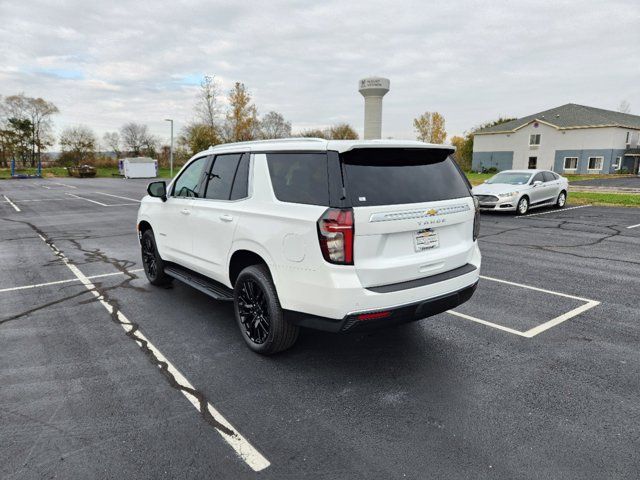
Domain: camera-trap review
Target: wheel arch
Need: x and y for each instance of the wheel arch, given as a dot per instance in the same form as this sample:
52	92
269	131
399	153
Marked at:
143	226
245	254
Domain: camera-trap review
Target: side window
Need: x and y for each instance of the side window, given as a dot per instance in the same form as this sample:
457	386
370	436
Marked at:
240	187
299	177
538	177
549	177
188	182
221	176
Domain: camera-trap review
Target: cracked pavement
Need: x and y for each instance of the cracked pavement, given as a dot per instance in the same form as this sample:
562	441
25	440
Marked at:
442	398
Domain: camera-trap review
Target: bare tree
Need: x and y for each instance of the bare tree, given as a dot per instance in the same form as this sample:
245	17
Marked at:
624	107
313	133
112	141
207	106
273	125
136	139
78	143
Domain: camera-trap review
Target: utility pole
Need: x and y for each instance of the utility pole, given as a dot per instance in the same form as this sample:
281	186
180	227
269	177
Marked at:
170	151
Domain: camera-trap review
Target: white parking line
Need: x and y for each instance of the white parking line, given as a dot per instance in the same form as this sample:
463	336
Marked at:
118	196
64	185
44	186
11	203
247	452
634	226
553	211
542	327
98	203
58	282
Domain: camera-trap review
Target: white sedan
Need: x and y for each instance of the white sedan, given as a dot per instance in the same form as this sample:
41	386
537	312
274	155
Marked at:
520	190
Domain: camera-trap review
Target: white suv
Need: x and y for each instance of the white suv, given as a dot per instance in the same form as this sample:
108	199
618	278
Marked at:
334	235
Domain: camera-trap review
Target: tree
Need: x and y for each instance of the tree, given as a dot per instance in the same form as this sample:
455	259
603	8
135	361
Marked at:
207	108
464	146
313	133
241	123
342	131
78	144
136	139
625	106
112	141
39	113
196	137
273	125
464	150
430	127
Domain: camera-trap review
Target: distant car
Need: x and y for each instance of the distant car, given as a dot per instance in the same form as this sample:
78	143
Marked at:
520	190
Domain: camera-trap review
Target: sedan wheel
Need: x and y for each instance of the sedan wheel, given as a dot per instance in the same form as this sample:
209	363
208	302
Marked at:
562	200
523	206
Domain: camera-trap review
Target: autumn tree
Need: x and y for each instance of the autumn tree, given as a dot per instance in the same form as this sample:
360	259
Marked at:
273	125
78	144
196	137
342	131
241	122
430	127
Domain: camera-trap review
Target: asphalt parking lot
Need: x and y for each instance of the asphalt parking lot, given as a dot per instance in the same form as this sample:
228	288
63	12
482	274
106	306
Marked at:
537	376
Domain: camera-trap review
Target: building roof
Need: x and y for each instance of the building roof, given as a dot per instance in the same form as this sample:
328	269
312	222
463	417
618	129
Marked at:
320	144
569	116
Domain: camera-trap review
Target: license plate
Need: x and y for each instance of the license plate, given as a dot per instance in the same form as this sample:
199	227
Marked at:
426	239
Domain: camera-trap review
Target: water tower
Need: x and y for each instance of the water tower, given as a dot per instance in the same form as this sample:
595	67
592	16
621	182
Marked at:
373	89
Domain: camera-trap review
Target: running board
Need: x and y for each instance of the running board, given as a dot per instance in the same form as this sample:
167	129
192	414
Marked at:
199	282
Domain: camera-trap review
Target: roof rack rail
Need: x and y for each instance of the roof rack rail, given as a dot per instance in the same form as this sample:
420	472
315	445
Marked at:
273	140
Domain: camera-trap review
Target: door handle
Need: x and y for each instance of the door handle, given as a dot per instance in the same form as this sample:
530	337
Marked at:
226	218
185	211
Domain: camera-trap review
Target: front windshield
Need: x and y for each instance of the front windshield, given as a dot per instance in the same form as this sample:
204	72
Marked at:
511	178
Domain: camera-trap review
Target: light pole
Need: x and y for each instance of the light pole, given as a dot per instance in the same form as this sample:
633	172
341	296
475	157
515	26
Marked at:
170	151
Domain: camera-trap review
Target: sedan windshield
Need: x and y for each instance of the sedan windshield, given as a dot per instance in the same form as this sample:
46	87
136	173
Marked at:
511	178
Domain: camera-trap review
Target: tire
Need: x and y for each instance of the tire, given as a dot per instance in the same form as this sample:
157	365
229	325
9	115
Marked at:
562	199
259	314
151	260
523	205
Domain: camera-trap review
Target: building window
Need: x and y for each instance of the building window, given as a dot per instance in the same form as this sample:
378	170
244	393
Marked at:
533	162
595	163
570	163
628	138
534	139
616	163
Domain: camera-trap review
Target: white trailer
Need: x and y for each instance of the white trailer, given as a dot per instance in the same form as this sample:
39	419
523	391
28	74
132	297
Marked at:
138	167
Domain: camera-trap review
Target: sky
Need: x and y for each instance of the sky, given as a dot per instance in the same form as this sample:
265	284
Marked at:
107	63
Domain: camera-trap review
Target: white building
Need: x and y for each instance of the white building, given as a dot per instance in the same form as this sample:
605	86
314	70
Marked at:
567	139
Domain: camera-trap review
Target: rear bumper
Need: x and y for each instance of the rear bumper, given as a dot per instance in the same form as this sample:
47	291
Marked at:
397	315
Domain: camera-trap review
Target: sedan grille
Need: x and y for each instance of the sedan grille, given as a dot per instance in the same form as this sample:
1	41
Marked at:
486	198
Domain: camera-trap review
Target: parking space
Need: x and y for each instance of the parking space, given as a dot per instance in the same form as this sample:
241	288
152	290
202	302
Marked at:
535	377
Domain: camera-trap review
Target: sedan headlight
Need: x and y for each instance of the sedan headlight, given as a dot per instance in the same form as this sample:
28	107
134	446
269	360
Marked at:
508	195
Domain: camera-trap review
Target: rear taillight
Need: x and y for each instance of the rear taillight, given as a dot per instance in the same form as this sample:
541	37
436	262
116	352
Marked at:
335	232
476	220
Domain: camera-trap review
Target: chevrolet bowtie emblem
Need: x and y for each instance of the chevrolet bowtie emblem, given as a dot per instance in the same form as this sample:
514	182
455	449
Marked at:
431	212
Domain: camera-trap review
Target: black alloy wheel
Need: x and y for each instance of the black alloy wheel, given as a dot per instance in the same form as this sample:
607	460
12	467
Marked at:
253	311
259	314
151	261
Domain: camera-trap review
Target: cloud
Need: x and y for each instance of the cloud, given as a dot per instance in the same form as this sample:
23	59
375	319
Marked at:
105	63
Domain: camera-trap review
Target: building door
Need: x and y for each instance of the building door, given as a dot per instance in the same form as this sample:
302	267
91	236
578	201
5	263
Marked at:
533	162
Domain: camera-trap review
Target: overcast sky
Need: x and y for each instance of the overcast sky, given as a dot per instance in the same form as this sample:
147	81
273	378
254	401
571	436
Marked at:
109	62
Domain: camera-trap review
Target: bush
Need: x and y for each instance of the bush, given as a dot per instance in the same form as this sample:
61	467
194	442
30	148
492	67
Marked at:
489	170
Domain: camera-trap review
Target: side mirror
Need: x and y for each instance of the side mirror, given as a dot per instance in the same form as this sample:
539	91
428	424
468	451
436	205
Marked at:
158	190
537	183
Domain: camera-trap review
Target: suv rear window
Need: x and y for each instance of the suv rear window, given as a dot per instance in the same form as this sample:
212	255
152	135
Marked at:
395	176
299	177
